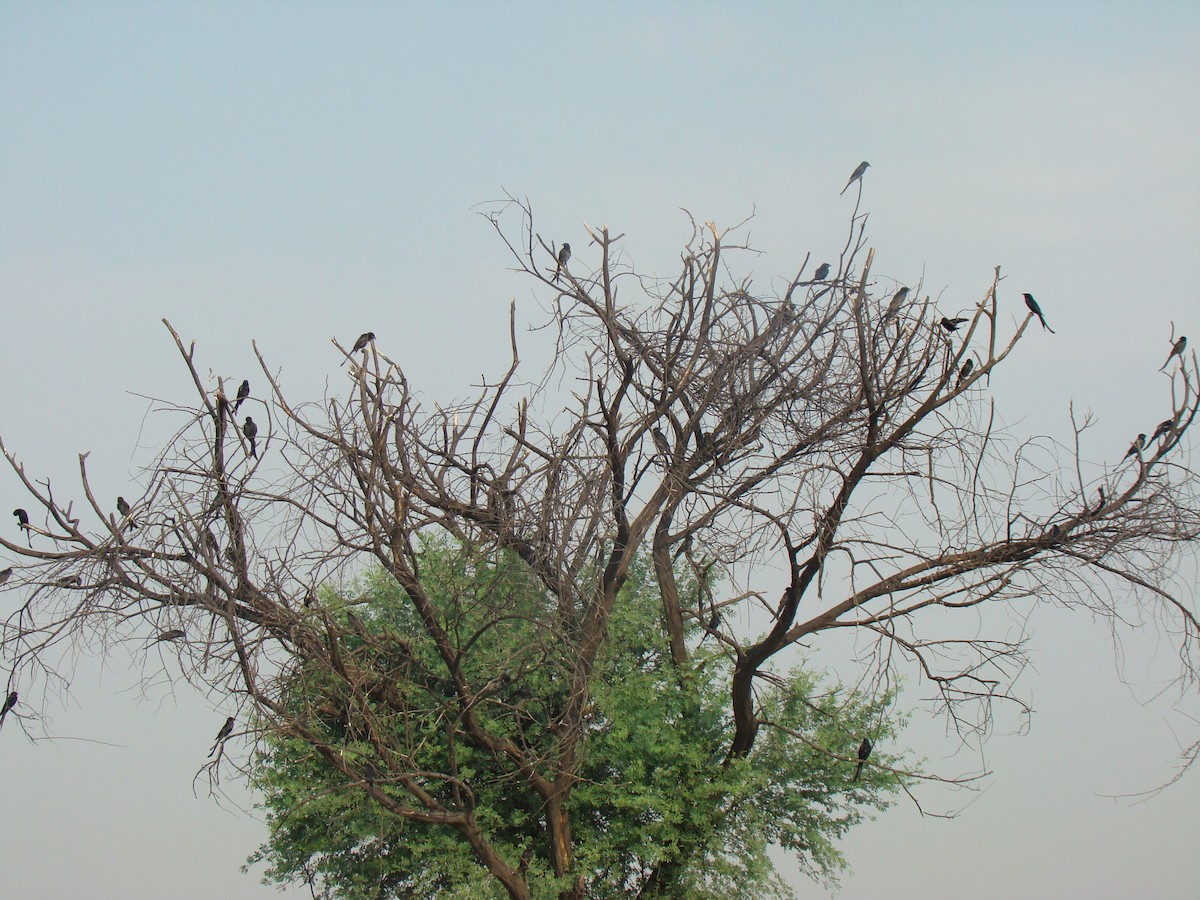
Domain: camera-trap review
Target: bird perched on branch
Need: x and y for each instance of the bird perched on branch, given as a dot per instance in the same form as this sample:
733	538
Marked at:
23	524
126	512
857	176
1163	429
660	441
965	371
822	272
952	324
1137	446
242	394
171	634
1037	311
226	731
1176	350
864	750
363	339
250	430
564	255
5	574
897	301
9	702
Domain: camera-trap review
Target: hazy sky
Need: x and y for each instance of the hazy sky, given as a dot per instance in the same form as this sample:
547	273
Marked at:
292	172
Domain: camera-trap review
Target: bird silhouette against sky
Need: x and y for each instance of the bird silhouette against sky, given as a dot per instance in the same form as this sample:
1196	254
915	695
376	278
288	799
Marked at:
226	731
564	255
857	176
250	430
242	394
822	272
1176	350
952	324
1037	311
1138	445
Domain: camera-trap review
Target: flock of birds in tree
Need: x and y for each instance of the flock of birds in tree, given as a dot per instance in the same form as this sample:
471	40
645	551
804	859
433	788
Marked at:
249	430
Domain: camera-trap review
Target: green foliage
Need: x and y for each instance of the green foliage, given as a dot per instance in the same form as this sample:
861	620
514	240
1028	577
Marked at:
653	782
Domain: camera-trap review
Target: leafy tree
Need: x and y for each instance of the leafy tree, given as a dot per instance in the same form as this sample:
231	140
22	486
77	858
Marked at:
646	784
830	448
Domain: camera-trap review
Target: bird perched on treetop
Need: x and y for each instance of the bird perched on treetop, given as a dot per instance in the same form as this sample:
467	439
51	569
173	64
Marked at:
1163	429
564	255
1177	350
1037	311
242	394
857	176
897	302
822	272
952	324
226	730
864	750
363	339
1137	446
250	430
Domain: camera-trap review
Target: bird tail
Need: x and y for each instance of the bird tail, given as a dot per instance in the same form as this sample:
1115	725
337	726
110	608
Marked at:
857	772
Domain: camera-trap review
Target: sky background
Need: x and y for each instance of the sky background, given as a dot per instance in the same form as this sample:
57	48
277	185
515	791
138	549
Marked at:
293	172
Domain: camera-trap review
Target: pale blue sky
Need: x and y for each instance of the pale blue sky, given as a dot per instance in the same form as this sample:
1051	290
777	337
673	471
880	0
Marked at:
291	172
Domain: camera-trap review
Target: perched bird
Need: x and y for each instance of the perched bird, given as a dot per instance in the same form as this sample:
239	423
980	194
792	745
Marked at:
211	544
564	254
897	302
171	634
68	581
242	394
1137	446
1163	429
952	324
250	430
1037	311
857	176
23	524
9	702
864	750
965	371
126	511
660	441
361	343
1177	350
822	272
226	730
5	574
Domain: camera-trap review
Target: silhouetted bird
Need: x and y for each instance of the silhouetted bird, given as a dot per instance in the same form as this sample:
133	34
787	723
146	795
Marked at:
897	302
363	340
23	524
660	441
171	634
966	370
126	511
864	750
242	394
226	731
211	544
952	324
250	430
1037	311
1137	446
1163	429
822	272
9	702
564	255
1177	350
857	176
5	574
68	581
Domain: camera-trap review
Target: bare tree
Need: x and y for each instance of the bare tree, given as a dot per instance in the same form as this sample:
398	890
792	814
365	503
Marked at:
833	432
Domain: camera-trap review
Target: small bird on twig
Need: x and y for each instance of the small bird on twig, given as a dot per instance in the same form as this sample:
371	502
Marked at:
964	372
564	255
250	430
171	634
23	524
952	324
864	750
5	574
1137	446
857	176
242	394
226	731
822	272
660	441
363	339
1176	350
1037	311
897	301
126	511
